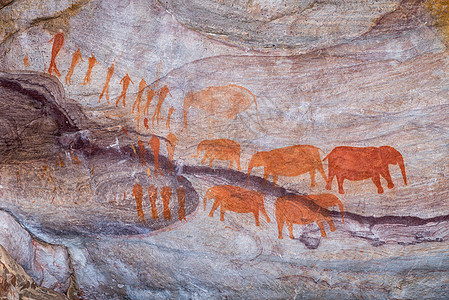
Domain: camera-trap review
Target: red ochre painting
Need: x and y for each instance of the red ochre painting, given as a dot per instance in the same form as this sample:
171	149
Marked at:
224	149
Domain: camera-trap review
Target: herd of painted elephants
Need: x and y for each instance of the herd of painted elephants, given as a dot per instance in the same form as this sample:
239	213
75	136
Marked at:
351	163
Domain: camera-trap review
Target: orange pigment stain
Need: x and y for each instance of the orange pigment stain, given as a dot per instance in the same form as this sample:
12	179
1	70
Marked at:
170	112
92	62
60	162
142	86
181	193
58	42
155	145
150	96
76	57
163	92
26	61
152	195
166	195
125	83
109	74
138	195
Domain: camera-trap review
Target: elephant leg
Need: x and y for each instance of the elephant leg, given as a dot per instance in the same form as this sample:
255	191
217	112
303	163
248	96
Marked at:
280	228
290	229
376	180
211	161
264	212
256	216
331	223
230	164
386	174
222	212
329	181
275	180
206	155
340	181
237	160
320	224
312	178
265	177
214	207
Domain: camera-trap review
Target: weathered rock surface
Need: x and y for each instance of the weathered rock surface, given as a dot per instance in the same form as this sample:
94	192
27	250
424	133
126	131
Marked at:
16	284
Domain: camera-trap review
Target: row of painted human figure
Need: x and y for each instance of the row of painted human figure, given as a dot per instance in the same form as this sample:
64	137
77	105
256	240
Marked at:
352	163
166	193
58	42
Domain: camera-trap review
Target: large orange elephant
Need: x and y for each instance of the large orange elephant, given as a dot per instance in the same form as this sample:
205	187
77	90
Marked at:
222	149
359	163
227	101
289	161
236	199
302	210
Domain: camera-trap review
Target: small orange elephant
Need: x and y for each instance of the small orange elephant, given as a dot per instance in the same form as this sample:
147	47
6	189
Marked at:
236	199
300	209
289	161
327	200
222	149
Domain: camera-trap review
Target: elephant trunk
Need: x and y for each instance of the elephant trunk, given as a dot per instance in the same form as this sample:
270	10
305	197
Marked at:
250	168
206	197
402	166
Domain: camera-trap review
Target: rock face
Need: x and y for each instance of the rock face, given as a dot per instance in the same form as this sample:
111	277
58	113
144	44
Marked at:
161	104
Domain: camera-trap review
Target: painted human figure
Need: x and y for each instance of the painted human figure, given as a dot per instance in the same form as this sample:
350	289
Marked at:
152	195
163	92
76	57
170	112
106	84
142	86
138	195
166	195
58	42
171	144
181	193
155	145
150	95
125	81
142	152
92	62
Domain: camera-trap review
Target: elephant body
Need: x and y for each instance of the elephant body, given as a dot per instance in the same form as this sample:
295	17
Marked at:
359	163
222	149
236	199
227	101
289	161
302	210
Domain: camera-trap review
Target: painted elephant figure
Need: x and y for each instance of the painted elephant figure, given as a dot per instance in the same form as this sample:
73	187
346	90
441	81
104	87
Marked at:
327	200
222	149
300	209
289	161
227	101
236	199
359	163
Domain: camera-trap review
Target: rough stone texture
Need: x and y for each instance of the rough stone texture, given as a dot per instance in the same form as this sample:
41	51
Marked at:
47	266
326	74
